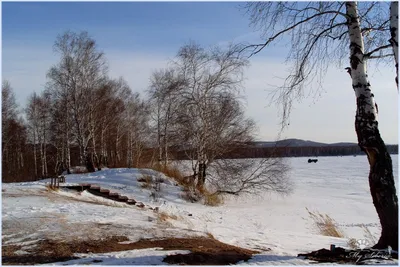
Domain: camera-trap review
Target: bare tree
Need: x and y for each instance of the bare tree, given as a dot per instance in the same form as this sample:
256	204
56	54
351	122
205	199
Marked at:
250	176
137	116
32	115
164	95
208	109
320	31
14	135
8	113
109	108
79	74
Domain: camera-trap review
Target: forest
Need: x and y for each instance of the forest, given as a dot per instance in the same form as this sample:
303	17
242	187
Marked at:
83	117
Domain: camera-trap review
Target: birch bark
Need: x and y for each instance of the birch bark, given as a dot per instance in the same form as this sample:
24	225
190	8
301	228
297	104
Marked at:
381	179
394	33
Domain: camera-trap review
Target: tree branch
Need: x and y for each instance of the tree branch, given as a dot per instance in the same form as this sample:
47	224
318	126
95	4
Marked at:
369	54
259	47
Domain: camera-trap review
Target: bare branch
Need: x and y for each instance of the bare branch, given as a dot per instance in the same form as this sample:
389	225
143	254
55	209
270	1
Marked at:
368	55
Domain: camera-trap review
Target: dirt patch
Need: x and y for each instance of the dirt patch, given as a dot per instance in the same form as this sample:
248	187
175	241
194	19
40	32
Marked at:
204	250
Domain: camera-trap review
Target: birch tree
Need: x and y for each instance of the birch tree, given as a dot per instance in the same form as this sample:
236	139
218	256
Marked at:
32	115
14	136
137	129
212	79
8	113
164	95
79	74
109	108
325	32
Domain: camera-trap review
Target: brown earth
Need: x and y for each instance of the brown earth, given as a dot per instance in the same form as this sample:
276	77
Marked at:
204	250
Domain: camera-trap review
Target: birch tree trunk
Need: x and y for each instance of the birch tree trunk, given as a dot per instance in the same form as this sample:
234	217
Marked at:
165	148
394	32
68	151
381	179
117	141
34	152
42	158
45	150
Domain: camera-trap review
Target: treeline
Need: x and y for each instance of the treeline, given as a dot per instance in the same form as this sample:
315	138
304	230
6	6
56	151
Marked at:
261	152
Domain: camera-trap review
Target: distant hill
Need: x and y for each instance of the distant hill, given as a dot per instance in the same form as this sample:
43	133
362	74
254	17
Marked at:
293	142
287	148
298	147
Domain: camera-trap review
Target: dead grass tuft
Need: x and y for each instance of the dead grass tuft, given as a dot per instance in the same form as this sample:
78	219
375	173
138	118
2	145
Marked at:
368	235
210	235
194	194
190	192
325	224
163	217
189	195
146	181
213	200
352	243
210	199
168	170
49	188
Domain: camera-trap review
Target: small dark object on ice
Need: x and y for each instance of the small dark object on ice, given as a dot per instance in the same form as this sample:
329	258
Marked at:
312	160
356	256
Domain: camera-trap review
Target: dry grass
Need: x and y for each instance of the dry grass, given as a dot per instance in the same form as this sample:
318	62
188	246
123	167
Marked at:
146	181
49	188
328	227
371	239
190	192
163	217
189	196
213	199
210	235
194	194
325	224
168	170
368	235
352	243
210	199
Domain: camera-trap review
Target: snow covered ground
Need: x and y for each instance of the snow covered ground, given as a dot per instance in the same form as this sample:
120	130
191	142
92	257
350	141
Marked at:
337	186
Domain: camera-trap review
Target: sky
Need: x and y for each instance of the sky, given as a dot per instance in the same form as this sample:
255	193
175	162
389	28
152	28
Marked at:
141	37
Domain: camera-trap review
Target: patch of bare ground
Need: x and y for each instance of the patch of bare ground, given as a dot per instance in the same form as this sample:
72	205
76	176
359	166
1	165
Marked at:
204	250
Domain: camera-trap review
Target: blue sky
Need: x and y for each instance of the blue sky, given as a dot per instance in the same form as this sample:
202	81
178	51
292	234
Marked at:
140	37
152	26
